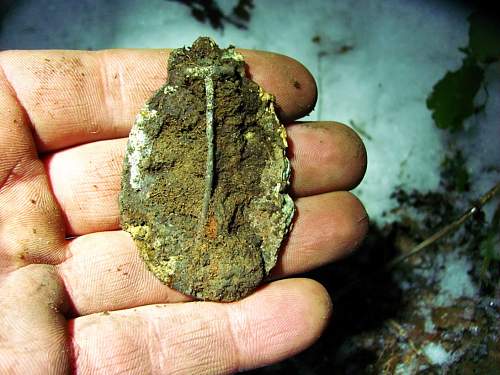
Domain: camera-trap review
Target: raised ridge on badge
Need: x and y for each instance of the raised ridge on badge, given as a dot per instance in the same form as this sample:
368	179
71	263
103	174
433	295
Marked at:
205	177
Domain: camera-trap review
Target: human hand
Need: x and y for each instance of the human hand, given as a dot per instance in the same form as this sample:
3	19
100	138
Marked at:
74	294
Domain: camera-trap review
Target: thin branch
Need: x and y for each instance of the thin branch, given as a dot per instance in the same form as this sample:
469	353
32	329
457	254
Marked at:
485	198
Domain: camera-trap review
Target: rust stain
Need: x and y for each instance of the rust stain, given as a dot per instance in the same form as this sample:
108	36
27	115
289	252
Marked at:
211	229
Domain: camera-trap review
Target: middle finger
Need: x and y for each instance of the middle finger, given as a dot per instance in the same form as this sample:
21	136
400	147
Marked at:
86	179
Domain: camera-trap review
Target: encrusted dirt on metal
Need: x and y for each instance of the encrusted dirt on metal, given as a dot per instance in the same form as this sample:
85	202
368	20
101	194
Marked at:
205	177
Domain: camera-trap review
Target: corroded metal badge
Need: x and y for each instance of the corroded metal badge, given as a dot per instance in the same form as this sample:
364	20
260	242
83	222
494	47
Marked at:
205	177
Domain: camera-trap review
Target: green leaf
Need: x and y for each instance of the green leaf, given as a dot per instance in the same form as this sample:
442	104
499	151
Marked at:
452	98
484	38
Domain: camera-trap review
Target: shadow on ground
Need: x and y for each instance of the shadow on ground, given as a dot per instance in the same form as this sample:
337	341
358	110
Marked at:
364	298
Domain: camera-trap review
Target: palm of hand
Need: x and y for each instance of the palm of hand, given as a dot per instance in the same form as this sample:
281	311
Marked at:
73	293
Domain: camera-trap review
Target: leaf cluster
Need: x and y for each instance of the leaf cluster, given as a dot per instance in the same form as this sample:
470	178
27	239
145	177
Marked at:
452	99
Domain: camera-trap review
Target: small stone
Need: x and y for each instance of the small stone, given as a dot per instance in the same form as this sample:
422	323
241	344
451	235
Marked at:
205	178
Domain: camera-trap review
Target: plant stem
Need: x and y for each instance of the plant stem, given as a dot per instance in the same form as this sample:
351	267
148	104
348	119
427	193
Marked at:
485	198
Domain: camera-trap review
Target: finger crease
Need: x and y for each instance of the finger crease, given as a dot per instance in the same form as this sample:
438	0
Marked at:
18	99
108	80
71	310
236	351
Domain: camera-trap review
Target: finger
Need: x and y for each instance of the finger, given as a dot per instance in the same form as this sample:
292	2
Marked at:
104	271
277	322
31	226
325	156
287	79
74	97
86	179
327	227
32	327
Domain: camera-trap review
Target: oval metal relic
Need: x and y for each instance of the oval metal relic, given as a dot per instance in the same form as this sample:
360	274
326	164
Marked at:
205	177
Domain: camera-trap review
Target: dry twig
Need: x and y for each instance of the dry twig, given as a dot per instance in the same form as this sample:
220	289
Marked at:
485	198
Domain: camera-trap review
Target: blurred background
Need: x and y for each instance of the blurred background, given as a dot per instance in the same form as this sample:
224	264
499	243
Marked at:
419	82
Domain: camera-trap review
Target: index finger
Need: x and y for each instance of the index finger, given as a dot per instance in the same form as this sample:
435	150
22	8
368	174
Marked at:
75	97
